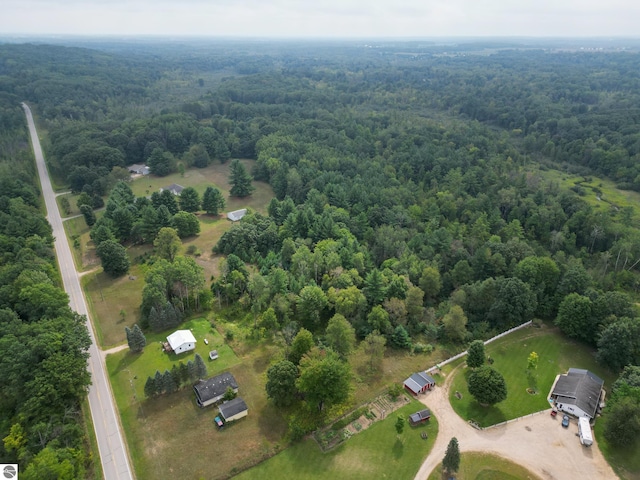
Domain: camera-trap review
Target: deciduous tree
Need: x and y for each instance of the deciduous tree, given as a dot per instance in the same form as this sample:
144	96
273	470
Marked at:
475	354
340	335
114	258
281	383
487	386
324	379
167	243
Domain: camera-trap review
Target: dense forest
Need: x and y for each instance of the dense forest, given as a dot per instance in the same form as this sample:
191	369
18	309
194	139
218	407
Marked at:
413	206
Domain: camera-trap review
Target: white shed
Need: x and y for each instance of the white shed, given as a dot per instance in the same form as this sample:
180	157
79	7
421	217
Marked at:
237	214
182	341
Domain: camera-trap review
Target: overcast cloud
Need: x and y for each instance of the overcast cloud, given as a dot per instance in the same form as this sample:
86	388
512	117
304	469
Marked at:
322	18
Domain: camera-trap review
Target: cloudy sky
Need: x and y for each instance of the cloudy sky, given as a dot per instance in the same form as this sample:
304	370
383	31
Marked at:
322	18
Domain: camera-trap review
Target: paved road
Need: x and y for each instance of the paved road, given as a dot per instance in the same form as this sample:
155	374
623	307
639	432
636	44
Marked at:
111	445
538	443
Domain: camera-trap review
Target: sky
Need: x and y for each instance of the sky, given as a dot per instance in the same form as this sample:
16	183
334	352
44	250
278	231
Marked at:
322	18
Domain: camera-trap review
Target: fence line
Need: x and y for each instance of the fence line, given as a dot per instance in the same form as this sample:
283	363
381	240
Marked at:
462	354
511	421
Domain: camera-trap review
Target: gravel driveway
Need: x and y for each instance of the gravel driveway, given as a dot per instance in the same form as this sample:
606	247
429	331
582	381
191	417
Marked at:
538	442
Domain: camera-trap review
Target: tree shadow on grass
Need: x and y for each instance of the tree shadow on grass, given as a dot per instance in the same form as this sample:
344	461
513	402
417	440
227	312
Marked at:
398	449
126	361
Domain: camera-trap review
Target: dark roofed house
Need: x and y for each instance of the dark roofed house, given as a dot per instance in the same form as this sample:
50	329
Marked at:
173	188
419	417
419	383
578	392
233	409
213	389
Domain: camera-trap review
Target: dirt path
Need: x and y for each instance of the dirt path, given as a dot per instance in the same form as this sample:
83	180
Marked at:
119	348
538	442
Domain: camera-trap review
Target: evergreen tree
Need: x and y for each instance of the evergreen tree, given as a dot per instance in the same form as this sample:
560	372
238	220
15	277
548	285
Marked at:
240	180
213	201
159	383
129	335
201	368
175	373
168	382
150	388
192	370
138	340
229	394
401	338
451	461
154	320
184	373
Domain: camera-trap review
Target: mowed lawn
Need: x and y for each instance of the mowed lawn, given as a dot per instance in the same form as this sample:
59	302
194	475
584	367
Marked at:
556	355
484	466
376	452
171	435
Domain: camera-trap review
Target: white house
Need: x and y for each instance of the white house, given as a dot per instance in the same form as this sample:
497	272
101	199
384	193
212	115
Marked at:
237	214
139	169
182	341
173	188
578	392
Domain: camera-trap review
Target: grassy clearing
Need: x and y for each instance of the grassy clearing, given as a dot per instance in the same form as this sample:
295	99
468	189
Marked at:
556	355
484	466
611	199
170	435
108	297
373	453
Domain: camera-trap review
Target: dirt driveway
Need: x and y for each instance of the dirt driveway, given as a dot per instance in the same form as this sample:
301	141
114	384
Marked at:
538	443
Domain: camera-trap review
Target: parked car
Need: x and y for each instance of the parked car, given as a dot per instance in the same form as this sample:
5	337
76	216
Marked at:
565	421
219	423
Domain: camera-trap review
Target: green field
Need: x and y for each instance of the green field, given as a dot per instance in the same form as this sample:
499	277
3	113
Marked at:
484	466
373	453
556	355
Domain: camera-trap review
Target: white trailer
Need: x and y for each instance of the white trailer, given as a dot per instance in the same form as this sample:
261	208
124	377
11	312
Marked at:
584	431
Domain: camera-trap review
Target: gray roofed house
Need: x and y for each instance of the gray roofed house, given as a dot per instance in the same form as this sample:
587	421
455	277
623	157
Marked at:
419	417
419	382
139	169
173	188
578	392
233	409
212	390
237	214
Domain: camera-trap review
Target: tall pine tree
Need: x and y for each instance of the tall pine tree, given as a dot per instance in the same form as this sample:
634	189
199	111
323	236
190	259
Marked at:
451	461
201	368
240	180
138	340
213	201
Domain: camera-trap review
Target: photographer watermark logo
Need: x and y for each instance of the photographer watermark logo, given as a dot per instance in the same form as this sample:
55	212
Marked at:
9	470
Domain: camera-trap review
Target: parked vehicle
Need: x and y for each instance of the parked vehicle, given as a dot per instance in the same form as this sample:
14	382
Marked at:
219	423
584	432
565	421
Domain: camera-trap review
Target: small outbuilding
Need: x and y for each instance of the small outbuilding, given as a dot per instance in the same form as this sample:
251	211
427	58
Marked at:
181	341
419	382
578	392
173	188
213	389
233	409
237	214
420	417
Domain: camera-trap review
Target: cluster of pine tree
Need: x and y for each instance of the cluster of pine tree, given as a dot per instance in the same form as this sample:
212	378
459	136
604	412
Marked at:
166	317
176	378
135	338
